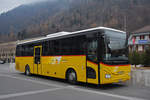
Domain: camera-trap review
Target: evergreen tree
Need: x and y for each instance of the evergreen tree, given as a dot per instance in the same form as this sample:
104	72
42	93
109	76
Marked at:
147	57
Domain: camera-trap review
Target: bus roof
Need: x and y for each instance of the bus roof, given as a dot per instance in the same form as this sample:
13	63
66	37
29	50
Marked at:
59	34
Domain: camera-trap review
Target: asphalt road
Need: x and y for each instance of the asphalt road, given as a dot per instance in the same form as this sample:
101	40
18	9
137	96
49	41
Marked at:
16	86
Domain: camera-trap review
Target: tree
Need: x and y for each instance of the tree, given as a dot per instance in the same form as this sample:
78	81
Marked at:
147	57
12	35
135	58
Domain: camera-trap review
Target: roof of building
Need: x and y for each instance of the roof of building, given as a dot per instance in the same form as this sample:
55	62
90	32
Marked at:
8	43
142	30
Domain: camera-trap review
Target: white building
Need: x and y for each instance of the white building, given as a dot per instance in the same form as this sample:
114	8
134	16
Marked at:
7	51
139	40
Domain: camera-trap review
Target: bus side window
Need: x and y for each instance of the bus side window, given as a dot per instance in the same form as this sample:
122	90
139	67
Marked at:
92	48
51	48
79	44
45	48
101	48
18	51
22	50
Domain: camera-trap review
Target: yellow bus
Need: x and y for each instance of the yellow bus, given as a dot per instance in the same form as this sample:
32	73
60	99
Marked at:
96	55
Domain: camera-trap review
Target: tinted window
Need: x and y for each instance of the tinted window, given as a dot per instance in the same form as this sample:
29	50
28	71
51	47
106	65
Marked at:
45	48
24	50
37	56
66	46
18	53
92	44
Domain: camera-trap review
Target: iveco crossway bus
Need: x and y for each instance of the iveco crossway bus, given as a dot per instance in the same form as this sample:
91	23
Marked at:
96	55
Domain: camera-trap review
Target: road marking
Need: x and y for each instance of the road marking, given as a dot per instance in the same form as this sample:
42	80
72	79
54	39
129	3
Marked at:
106	94
34	81
28	93
62	87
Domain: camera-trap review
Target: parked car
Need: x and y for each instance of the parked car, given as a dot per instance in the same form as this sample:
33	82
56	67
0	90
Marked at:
2	61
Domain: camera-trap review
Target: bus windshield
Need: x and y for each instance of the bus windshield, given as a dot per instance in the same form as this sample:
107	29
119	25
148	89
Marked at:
115	43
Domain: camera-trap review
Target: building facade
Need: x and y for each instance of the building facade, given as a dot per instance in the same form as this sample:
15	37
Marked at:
7	51
139	40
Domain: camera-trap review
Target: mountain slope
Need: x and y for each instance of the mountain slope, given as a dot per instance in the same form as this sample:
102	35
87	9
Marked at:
72	15
22	16
127	15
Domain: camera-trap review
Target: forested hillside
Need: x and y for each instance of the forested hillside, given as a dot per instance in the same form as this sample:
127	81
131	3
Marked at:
71	15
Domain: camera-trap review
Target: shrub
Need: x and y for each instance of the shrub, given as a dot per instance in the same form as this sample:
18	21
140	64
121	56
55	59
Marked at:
143	58
146	58
135	58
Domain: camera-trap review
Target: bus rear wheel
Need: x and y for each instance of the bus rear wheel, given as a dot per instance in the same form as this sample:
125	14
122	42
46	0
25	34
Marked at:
72	77
27	71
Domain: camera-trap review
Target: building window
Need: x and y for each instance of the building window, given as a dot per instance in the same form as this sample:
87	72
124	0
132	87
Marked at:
142	37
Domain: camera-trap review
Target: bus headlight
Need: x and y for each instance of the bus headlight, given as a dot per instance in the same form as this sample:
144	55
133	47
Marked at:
107	76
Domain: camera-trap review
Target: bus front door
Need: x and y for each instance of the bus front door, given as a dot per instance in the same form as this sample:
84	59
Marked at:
37	60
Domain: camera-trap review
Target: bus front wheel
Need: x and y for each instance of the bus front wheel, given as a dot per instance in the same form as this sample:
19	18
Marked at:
27	71
72	77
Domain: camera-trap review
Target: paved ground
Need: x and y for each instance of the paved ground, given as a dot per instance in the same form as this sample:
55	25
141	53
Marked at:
16	86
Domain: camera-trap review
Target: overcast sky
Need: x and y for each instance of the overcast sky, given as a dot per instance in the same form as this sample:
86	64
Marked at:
6	5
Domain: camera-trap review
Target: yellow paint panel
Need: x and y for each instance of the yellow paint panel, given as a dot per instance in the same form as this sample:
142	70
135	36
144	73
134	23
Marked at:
95	67
21	62
119	73
56	66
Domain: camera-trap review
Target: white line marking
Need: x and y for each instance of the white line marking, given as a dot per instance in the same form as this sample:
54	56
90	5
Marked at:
34	81
28	93
106	94
75	88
